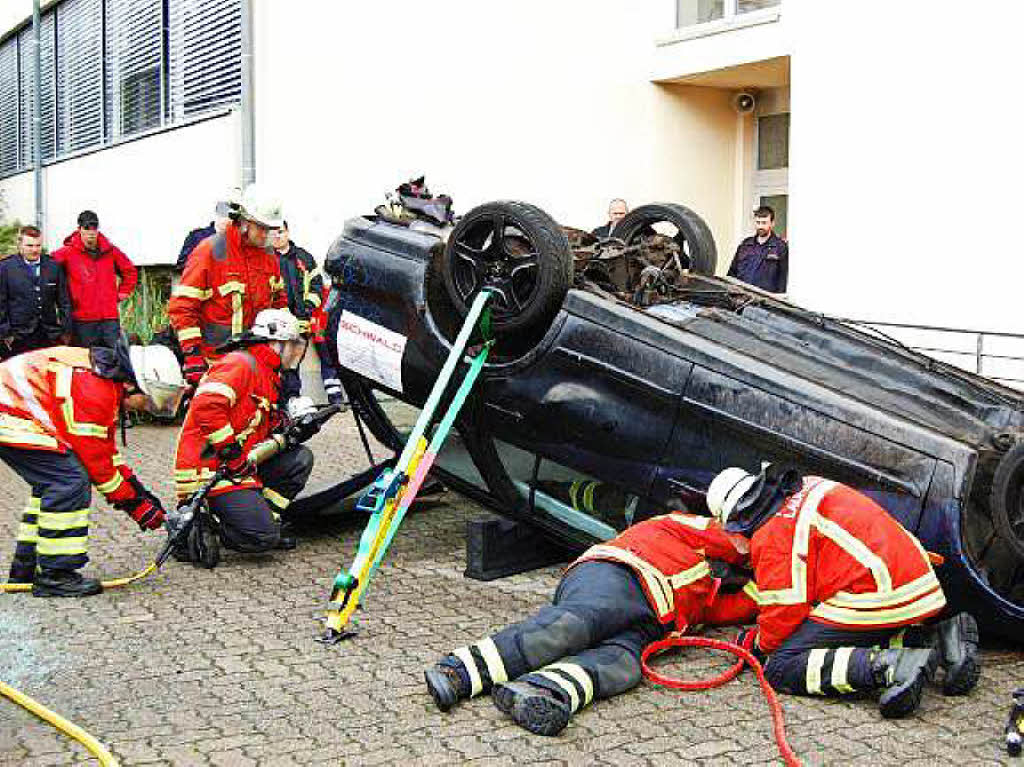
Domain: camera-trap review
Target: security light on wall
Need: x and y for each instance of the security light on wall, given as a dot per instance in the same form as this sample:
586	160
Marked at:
744	102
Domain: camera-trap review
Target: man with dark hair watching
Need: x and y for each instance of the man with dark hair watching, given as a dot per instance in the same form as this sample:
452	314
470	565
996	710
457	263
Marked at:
762	260
35	310
99	276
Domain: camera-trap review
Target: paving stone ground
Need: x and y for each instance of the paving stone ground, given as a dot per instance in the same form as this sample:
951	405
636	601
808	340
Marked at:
195	667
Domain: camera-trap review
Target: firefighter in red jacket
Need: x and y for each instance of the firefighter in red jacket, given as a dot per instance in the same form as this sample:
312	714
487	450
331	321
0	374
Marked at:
612	602
836	578
99	275
228	280
234	408
58	409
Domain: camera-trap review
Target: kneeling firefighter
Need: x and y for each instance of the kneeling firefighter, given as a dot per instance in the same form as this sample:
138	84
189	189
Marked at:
842	589
612	602
58	410
234	408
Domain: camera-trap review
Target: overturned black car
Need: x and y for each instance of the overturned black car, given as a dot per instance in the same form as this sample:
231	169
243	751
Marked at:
626	376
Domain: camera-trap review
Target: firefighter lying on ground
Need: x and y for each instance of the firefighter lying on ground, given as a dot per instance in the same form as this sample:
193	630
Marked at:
234	408
841	587
58	410
612	602
229	279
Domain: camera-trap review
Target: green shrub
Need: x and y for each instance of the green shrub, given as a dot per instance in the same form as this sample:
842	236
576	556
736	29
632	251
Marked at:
145	311
9	238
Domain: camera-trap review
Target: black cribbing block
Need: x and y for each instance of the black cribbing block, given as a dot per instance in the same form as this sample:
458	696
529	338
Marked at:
497	548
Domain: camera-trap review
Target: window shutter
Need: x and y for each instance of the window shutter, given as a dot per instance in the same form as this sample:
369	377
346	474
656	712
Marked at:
205	55
9	122
80	73
134	63
48	109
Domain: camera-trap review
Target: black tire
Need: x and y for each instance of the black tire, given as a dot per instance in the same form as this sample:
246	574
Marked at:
702	249
529	266
1006	501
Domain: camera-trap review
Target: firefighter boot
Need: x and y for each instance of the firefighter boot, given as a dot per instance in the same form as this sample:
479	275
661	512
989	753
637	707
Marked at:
447	686
532	707
958	654
901	675
22	571
64	583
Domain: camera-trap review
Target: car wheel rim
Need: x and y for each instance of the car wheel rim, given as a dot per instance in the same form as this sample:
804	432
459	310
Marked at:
496	253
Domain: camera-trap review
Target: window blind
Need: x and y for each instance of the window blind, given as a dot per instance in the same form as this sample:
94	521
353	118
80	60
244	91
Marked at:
9	117
205	55
80	74
134	64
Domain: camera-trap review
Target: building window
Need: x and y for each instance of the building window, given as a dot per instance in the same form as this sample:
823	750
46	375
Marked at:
114	68
773	142
771	174
80	75
692	12
135	64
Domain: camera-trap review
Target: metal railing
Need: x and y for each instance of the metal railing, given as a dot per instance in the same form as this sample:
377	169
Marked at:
992	353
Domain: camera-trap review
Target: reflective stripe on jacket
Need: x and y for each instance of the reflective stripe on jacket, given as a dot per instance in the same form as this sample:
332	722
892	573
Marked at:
235	402
669	556
51	400
835	556
225	285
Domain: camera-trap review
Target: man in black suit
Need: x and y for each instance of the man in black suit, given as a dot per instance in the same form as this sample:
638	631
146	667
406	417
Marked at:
35	309
617	209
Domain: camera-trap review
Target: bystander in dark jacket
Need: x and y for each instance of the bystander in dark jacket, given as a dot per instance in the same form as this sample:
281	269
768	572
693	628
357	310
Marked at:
304	283
763	259
35	310
192	239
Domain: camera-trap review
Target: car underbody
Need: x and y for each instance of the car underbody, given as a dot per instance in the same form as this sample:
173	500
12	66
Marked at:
636	379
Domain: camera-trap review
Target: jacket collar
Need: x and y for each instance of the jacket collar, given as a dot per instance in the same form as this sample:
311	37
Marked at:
74	241
266	356
233	235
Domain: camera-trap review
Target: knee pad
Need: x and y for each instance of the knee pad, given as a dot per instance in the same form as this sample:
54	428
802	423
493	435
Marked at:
551	640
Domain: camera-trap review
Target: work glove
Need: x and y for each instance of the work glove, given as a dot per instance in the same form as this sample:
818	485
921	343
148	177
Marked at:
195	366
747	638
144	507
232	458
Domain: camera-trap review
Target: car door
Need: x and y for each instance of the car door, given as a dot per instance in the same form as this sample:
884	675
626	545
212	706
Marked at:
737	418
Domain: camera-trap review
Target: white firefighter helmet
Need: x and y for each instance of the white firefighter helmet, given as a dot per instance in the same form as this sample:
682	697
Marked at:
158	375
259	206
726	490
276	325
229	202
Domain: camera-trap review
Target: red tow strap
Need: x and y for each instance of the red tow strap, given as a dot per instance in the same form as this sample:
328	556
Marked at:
745	658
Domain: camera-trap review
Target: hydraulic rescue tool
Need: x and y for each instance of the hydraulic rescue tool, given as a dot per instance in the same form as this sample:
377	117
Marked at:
393	492
1015	725
192	527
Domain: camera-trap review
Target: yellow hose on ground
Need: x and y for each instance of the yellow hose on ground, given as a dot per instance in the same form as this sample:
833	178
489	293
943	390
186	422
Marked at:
68	728
18	588
96	748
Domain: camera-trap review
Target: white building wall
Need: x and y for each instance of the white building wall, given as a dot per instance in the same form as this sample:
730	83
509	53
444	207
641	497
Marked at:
906	161
148	193
545	102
